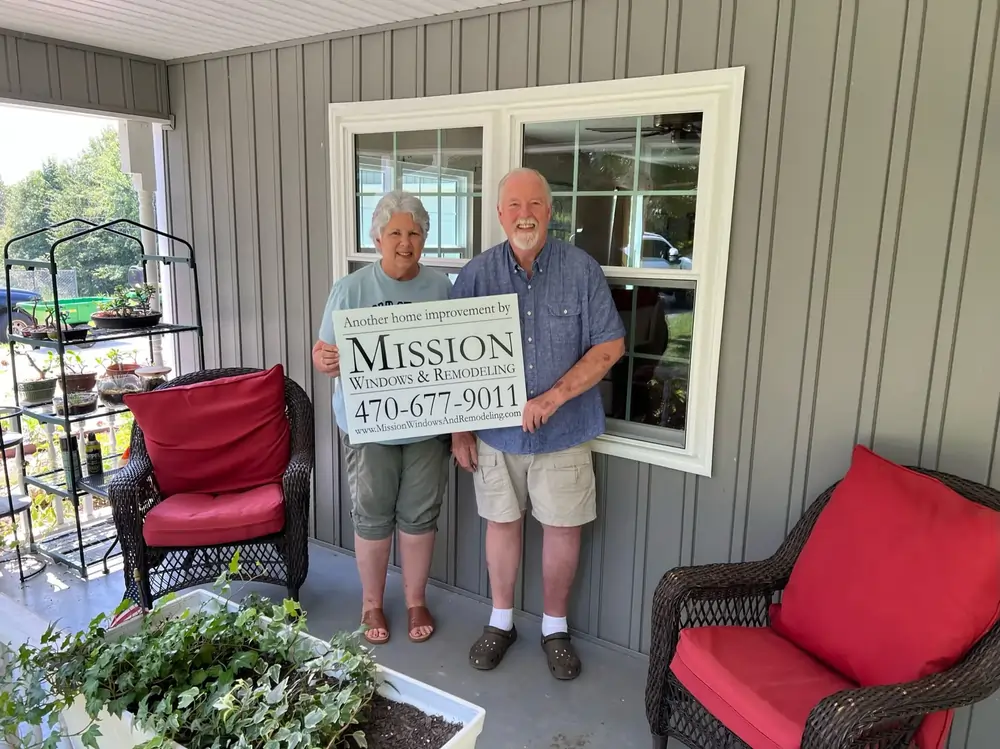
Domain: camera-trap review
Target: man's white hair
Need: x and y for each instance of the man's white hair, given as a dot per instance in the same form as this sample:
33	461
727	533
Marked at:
525	170
398	201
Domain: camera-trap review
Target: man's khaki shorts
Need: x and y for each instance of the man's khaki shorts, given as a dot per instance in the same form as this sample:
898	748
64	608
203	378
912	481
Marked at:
561	485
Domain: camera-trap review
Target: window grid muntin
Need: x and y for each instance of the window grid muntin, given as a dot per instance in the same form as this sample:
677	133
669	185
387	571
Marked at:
466	199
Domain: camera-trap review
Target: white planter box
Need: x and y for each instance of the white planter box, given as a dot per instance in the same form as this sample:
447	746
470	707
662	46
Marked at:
118	733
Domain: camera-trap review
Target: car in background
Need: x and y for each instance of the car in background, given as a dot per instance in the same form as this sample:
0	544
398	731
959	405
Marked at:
20	319
658	252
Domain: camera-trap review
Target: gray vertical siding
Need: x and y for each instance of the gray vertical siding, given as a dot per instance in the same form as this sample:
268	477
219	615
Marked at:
861	302
45	71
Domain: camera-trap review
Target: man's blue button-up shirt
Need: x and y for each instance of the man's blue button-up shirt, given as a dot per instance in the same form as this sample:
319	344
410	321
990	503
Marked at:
565	308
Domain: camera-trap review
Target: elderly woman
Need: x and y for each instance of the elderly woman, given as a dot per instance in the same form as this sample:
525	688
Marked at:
394	484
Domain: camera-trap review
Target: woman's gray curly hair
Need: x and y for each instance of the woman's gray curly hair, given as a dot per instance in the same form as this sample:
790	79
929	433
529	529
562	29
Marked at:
395	202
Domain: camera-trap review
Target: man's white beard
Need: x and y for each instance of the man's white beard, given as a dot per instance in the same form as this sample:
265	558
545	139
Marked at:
524	240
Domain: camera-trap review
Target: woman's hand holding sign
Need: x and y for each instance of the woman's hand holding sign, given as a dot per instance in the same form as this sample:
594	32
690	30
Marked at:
326	358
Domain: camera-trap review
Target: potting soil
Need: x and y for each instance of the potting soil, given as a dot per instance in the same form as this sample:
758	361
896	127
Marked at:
395	725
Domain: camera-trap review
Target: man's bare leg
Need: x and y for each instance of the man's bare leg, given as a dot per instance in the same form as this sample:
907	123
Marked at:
503	557
560	556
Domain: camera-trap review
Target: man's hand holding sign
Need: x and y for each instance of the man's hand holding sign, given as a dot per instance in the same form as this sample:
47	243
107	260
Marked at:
429	368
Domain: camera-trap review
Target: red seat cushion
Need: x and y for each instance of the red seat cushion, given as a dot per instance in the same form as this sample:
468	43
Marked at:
759	685
189	520
219	436
933	730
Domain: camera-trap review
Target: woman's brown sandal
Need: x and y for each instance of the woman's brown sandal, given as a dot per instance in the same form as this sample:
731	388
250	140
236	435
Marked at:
375	619
419	616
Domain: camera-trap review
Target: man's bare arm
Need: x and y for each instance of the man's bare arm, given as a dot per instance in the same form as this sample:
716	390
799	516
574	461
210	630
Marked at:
581	377
589	370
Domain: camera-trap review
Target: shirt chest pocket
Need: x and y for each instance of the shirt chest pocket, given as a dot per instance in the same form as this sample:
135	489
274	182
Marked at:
565	320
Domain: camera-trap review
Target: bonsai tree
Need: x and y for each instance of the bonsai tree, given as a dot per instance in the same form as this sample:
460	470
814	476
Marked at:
129	302
41	364
74	363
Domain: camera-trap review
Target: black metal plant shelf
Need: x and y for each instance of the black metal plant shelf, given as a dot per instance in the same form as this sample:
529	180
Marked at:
45	413
101	334
80	547
54	482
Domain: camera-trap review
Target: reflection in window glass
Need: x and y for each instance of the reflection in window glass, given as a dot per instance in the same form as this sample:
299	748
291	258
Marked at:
443	168
646	391
624	188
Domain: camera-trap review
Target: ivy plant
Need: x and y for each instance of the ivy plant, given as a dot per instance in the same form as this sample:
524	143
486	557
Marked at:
209	678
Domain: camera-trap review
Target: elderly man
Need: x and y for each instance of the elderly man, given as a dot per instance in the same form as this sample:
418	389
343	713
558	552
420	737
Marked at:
571	335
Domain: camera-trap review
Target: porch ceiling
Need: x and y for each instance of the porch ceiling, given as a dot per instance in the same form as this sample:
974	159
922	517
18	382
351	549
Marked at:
171	29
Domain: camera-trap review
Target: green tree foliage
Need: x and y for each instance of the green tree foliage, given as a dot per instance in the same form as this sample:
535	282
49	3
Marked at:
28	208
91	186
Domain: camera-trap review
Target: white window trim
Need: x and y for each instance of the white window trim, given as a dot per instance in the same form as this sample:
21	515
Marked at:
501	115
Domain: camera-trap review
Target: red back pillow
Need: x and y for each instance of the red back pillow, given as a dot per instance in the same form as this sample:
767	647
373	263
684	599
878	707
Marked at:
223	435
899	578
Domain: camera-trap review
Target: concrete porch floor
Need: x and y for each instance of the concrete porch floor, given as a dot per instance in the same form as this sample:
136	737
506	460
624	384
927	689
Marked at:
525	707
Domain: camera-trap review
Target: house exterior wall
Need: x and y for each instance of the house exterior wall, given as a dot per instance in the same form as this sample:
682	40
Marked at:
861	302
45	71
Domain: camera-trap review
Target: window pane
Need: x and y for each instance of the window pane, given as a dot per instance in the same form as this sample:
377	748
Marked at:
442	167
603	226
645	394
667	216
550	147
627	186
669	150
417	150
561	224
606	155
462	152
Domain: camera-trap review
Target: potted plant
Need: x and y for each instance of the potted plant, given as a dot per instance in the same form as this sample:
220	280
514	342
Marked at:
112	389
119	378
202	671
128	308
36	331
115	363
43	386
64	330
78	379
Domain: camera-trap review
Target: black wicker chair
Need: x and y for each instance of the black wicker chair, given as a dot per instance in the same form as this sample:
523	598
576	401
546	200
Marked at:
280	559
739	594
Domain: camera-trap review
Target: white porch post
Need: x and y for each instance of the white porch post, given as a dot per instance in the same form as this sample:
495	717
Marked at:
136	143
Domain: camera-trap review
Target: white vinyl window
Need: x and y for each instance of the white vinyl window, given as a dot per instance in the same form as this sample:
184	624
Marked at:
642	173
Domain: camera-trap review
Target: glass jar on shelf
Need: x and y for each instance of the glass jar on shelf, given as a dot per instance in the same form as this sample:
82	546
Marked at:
77	401
113	388
152	377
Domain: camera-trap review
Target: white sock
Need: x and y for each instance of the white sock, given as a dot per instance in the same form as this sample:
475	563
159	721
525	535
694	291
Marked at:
502	619
553	624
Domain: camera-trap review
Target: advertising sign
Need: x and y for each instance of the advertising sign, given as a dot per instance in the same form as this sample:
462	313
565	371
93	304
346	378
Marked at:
411	370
